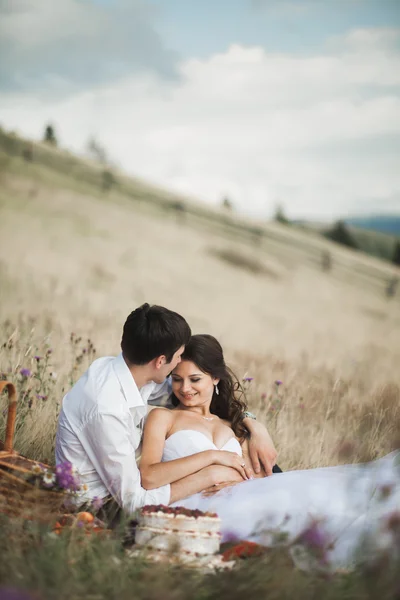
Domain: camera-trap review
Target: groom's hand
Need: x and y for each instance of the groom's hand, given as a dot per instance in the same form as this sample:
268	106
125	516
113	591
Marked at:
261	447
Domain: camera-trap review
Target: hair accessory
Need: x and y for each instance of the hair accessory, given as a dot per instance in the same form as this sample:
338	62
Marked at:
216	390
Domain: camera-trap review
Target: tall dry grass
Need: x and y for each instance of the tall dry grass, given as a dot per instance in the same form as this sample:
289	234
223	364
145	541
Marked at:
72	266
72	263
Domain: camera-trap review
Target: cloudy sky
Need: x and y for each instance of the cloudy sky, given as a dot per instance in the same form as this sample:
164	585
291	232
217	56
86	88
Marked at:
267	101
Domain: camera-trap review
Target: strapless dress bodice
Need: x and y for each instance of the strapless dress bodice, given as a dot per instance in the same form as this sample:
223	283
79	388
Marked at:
186	442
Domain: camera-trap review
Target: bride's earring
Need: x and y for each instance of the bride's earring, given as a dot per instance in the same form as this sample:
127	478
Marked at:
216	389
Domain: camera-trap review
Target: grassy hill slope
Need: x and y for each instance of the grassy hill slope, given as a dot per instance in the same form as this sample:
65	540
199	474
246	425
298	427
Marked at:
74	259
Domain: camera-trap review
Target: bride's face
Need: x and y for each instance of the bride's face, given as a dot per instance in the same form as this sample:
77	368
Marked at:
191	386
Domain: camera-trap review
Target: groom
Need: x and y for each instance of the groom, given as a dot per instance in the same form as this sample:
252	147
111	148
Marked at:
100	425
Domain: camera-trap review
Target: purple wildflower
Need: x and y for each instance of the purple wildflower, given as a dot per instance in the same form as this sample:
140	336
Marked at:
65	476
41	397
313	536
49	351
13	593
393	523
230	537
38	358
278	382
316	541
97	503
248	379
25	372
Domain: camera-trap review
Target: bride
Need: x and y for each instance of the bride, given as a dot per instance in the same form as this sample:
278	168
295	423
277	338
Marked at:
330	514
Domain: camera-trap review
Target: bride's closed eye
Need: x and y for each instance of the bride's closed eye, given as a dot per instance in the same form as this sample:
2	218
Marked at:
192	379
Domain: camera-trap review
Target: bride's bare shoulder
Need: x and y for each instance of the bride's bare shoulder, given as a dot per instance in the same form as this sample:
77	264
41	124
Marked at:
158	416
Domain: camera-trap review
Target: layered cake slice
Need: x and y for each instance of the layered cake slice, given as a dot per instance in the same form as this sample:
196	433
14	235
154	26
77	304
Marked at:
190	532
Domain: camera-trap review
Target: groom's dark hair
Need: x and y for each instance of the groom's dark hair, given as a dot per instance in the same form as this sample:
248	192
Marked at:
152	331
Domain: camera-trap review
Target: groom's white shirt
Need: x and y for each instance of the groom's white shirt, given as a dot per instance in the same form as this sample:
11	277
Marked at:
100	430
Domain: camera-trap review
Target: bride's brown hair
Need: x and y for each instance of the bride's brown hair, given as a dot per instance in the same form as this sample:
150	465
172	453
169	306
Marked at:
206	352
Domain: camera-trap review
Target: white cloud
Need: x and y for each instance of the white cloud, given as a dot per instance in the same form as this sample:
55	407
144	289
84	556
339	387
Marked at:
319	133
65	45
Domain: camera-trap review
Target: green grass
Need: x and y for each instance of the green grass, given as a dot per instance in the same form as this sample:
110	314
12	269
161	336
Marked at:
375	243
73	565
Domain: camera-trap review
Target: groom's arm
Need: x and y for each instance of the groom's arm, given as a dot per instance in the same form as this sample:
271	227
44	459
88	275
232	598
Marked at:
261	447
107	441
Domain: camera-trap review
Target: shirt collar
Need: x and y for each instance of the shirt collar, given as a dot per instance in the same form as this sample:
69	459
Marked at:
128	384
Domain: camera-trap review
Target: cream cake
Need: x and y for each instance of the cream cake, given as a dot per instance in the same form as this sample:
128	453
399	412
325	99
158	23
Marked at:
188	532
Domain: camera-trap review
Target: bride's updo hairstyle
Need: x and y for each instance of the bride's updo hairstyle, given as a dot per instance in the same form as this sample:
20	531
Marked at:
206	353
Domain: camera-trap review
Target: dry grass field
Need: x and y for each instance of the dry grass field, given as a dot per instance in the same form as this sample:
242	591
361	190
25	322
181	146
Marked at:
74	262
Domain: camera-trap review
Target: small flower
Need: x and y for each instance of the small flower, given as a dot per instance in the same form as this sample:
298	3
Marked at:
316	541
346	450
49	351
248	379
49	478
97	503
38	358
14	593
386	490
25	372
393	522
37	469
41	397
278	382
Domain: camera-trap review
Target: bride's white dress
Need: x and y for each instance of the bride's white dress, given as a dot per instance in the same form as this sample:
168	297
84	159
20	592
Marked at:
350	503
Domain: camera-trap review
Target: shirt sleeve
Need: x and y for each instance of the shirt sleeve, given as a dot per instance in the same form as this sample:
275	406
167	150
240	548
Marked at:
160	396
106	440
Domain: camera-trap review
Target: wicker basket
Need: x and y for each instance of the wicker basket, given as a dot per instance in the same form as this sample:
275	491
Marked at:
19	494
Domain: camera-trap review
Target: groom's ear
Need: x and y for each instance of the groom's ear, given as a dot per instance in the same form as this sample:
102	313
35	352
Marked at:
160	361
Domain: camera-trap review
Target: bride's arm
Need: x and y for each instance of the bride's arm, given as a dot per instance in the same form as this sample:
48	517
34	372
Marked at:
155	473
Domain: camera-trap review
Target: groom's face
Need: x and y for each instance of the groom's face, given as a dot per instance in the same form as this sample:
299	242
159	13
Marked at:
167	368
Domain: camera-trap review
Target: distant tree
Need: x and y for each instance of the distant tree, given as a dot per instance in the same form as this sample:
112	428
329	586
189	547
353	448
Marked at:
27	152
326	261
280	216
180	210
107	180
226	203
392	287
96	151
339	233
396	254
50	135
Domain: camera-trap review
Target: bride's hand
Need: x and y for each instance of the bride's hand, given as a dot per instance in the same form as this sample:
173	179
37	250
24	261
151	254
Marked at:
217	487
233	460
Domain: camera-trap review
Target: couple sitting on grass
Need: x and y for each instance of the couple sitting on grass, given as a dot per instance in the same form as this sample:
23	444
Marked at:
202	449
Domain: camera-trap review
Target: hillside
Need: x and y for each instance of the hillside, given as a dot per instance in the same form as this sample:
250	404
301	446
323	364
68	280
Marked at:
256	286
76	259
